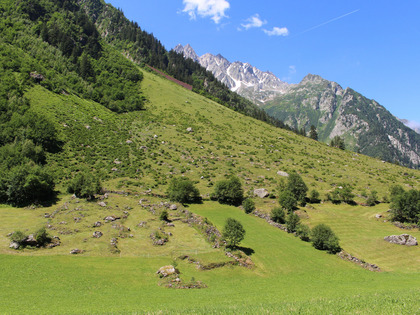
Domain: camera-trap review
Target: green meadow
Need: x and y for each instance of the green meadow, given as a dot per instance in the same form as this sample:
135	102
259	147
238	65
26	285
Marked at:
137	154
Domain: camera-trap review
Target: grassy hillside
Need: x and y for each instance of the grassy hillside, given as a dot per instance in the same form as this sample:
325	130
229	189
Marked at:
138	151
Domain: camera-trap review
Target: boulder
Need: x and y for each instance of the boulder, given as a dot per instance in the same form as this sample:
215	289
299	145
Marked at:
281	173
378	216
173	207
261	192
76	251
403	239
97	224
14	245
102	204
110	218
30	240
166	271
189	129
97	234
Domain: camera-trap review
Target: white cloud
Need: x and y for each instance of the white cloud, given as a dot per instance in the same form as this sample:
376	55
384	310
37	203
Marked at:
215	9
254	21
277	31
292	69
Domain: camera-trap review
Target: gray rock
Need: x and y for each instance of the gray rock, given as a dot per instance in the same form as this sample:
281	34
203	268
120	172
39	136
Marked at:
30	240
403	239
102	204
189	129
97	224
378	216
76	251
166	271
14	245
111	218
281	173
261	192
97	234
173	207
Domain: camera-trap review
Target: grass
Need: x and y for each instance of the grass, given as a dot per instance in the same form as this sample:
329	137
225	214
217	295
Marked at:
289	276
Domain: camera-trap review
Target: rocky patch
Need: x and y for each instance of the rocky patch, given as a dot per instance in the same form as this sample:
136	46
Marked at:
403	239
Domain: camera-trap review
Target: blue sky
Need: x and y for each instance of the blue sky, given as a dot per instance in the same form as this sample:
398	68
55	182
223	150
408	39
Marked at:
371	46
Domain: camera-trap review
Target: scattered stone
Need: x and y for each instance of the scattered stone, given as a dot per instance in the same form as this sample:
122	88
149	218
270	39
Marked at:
102	204
76	251
30	240
128	141
87	127
261	192
378	216
114	169
110	218
37	76
403	239
117	162
166	271
114	241
189	129
170	224
14	245
77	219
46	215
173	207
97	224
281	173
346	256
63	222
97	234
142	224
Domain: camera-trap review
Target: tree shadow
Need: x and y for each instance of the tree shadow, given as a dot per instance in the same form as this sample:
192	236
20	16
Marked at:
248	251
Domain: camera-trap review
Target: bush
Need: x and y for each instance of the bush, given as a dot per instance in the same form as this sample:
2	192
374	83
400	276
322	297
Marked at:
292	222
314	196
248	205
323	238
18	237
233	232
42	237
229	191
342	193
405	206
297	187
278	215
164	215
287	200
182	189
372	200
85	185
25	184
304	232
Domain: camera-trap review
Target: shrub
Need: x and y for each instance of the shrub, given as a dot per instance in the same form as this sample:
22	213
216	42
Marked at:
164	215
229	191
287	200
372	199
18	237
292	222
182	189
42	237
304	232
323	238
233	232
85	185
248	205
278	215
314	196
342	193
405	207
297	187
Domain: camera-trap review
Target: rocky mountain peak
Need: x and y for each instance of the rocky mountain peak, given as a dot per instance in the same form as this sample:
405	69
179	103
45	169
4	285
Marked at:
243	78
187	51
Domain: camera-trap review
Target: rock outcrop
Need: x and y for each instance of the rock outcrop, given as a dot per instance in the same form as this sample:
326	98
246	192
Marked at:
403	239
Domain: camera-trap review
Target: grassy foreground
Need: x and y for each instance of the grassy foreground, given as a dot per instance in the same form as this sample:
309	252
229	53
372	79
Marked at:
289	276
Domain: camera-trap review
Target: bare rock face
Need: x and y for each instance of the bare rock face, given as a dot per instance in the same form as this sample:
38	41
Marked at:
403	239
261	192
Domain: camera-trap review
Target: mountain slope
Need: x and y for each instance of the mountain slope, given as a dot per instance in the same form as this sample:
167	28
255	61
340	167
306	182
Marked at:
365	125
248	81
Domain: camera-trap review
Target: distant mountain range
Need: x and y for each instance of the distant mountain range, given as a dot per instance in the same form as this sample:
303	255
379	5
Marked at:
366	126
248	81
